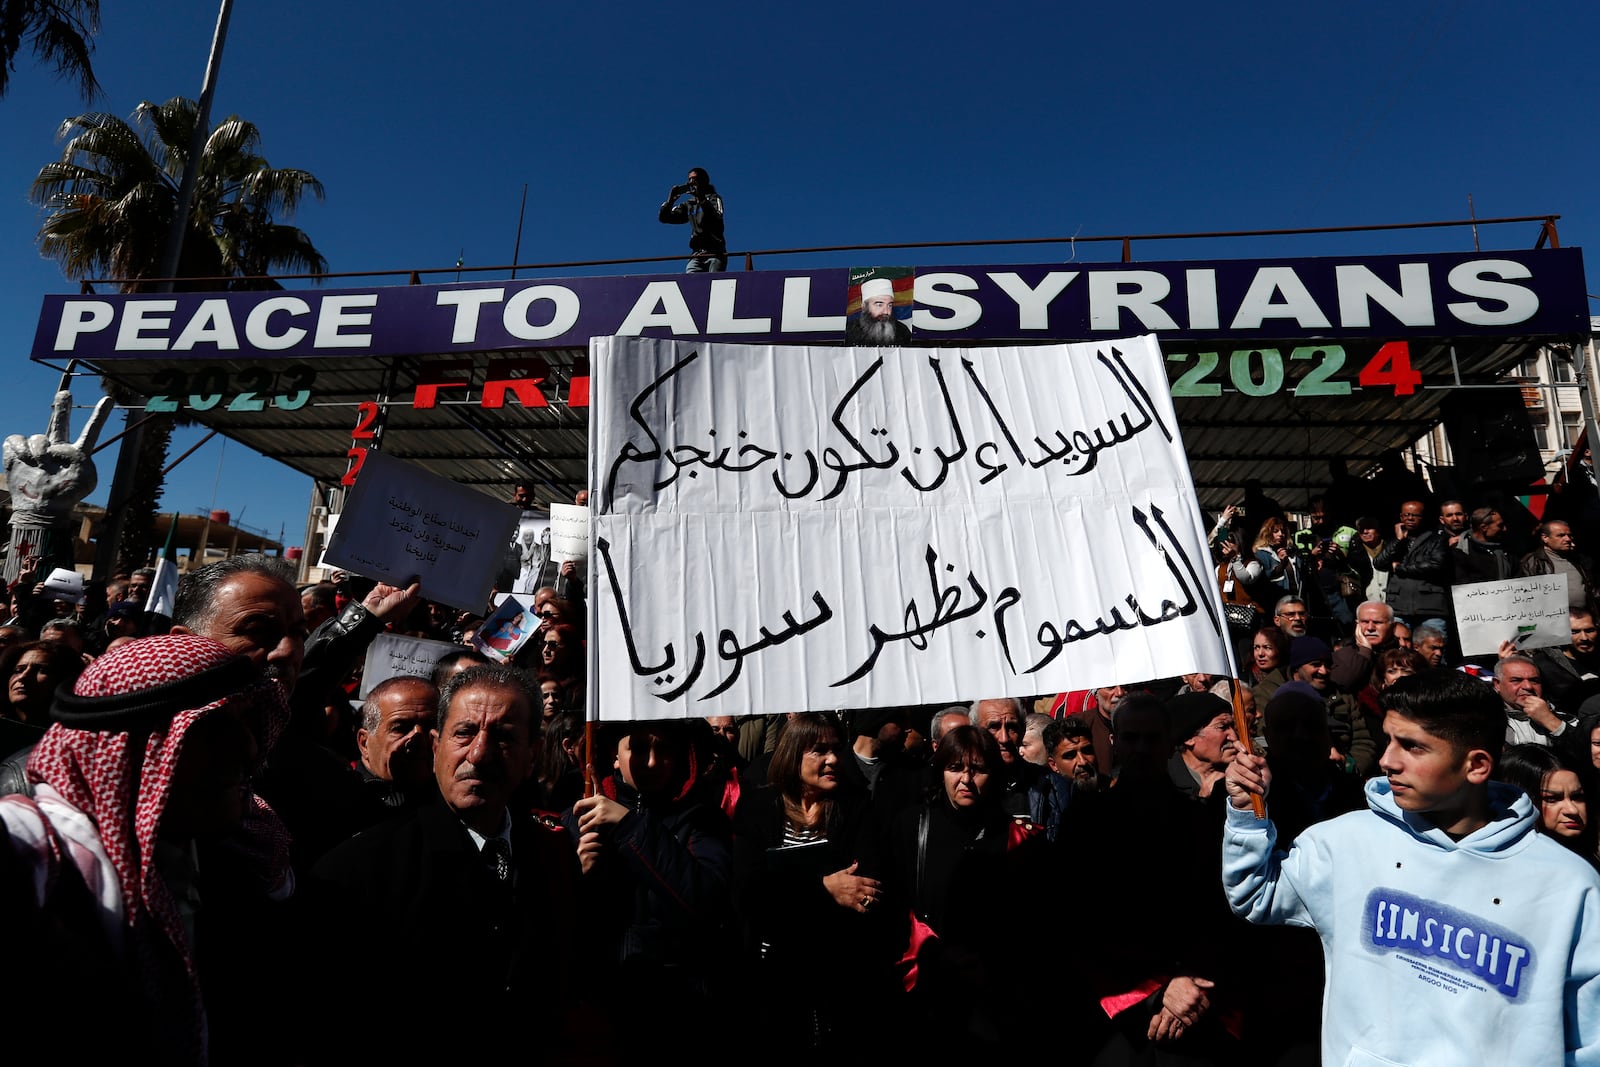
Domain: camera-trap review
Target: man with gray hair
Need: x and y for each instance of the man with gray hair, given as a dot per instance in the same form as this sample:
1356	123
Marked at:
1429	642
1530	718
138	589
1005	719
1290	615
395	762
945	720
462	885
1352	665
1032	748
63	631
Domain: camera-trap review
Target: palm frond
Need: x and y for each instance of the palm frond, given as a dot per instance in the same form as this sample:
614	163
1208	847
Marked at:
58	32
111	197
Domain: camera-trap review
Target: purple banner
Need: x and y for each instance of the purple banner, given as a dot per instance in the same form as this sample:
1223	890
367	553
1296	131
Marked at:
1456	295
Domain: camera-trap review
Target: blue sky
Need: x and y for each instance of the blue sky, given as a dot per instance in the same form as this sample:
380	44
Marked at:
833	124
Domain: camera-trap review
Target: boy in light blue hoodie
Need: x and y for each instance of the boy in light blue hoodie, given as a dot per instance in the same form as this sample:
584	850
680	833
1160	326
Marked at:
1452	931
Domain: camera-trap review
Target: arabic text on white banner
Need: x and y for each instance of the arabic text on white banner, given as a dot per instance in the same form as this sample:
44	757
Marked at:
792	528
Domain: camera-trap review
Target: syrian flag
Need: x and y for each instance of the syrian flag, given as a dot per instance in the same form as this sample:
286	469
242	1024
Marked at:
164	587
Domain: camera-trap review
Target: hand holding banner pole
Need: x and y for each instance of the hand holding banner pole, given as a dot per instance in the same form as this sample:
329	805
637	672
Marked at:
1241	727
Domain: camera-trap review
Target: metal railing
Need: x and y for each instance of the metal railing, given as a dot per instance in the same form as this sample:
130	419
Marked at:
1546	235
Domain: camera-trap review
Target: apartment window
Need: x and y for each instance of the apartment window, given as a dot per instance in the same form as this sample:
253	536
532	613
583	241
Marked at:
1571	427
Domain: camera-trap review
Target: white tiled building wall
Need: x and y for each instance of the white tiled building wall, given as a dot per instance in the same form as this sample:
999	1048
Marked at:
1557	415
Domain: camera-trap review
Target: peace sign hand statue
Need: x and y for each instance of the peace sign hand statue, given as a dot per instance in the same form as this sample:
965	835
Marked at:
45	474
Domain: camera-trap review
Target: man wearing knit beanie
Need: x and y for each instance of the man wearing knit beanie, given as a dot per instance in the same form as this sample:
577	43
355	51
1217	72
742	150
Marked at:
1309	662
1202	723
1309	658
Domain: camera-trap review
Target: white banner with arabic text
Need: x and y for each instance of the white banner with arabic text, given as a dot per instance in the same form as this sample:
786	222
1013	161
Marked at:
783	528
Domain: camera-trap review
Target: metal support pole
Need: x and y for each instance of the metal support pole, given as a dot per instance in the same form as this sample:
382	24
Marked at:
173	254
1580	373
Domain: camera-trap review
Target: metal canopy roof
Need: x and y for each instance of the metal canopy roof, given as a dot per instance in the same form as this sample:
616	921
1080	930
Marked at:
1282	440
458	439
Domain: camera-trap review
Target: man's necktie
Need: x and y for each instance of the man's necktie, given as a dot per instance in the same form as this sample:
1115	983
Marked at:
497	856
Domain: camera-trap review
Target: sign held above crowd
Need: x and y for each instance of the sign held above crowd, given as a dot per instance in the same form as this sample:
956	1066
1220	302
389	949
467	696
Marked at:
1529	612
401	521
780	528
398	656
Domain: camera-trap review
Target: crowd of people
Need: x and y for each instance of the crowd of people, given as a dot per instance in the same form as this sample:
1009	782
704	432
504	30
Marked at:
216	849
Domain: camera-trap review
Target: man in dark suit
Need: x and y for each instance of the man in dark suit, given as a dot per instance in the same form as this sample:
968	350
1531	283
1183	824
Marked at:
461	894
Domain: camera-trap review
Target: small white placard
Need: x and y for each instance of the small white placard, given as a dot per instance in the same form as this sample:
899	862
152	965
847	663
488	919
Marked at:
569	532
1528	612
394	655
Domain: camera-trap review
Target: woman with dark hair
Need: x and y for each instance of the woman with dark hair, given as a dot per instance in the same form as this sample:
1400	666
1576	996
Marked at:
1393	664
554	695
33	672
1556	789
555	611
949	862
802	905
1269	659
561	651
559	774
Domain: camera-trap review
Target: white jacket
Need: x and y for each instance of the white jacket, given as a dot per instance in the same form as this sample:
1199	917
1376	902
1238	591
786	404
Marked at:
1437	952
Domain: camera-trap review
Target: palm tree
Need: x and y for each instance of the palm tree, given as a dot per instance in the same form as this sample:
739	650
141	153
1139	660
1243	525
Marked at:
111	199
58	32
113	193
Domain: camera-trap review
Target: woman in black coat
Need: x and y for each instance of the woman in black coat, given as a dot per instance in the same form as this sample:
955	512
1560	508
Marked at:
958	866
804	908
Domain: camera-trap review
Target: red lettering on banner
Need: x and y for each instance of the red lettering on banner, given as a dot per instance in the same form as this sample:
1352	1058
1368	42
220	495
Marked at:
456	374
527	390
366	415
524	378
578	393
1392	366
357	456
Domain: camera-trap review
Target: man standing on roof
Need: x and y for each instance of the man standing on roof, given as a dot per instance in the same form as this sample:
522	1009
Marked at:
701	208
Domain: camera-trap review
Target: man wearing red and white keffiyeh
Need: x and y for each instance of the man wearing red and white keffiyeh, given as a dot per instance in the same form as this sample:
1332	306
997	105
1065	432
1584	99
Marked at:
150	752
